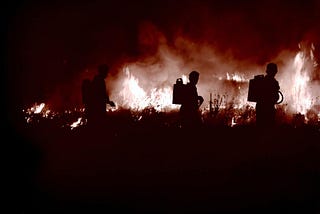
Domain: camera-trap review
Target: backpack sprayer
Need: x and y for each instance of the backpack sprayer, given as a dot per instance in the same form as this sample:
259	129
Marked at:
256	90
178	92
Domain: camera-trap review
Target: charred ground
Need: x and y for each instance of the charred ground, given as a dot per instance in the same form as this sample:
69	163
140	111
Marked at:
125	166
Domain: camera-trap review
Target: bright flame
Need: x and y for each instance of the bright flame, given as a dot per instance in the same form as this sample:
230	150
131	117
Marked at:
184	79
233	122
302	100
136	98
132	94
37	108
147	84
236	77
76	123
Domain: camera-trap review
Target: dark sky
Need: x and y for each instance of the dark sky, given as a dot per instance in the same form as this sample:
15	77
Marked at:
51	42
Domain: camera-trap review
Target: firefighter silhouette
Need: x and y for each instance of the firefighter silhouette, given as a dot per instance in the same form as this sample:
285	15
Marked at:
98	97
269	95
85	92
189	110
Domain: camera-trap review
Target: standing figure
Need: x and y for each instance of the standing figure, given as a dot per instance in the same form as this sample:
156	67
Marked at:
265	107
189	110
99	96
85	91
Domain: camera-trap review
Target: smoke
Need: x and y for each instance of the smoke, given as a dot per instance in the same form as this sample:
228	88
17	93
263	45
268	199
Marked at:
161	64
221	74
158	42
299	78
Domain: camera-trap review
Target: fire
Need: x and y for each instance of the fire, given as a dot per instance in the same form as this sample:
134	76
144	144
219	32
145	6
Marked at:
141	86
136	98
76	123
38	109
184	79
302	100
133	95
236	77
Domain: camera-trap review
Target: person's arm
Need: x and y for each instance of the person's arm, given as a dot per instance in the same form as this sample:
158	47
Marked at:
111	103
107	99
200	99
276	92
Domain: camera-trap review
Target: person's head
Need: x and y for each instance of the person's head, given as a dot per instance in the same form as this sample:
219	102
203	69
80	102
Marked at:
272	69
194	77
103	70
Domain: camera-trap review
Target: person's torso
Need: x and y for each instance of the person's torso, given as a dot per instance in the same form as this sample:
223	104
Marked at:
270	91
190	97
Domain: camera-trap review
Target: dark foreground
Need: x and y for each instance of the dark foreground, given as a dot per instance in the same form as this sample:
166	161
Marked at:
166	170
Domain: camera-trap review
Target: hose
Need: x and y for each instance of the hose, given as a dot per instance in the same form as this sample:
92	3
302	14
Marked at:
281	97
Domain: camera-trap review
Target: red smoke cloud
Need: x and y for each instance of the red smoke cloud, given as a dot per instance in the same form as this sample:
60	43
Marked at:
53	46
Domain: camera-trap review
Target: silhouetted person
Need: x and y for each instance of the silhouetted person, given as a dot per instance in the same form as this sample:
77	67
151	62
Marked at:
99	96
86	95
189	110
265	107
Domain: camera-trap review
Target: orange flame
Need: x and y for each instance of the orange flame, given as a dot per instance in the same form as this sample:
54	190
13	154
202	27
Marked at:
301	96
136	98
236	77
76	123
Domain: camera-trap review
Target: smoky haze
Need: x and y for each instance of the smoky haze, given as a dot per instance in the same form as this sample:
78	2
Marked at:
52	46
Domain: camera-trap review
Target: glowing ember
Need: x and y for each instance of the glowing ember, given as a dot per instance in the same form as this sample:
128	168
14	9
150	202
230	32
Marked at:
233	123
76	124
37	108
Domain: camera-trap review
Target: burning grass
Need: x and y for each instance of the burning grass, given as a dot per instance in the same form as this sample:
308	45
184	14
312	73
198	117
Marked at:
227	115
